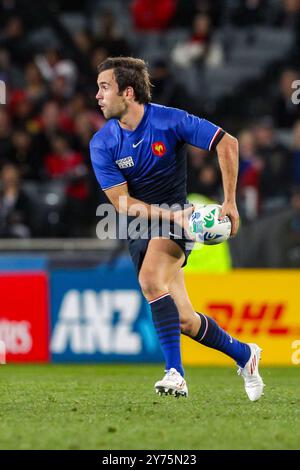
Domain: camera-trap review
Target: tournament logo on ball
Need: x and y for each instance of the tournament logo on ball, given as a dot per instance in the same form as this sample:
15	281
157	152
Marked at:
207	227
159	149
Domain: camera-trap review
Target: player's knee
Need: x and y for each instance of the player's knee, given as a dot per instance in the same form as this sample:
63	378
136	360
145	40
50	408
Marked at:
151	286
187	326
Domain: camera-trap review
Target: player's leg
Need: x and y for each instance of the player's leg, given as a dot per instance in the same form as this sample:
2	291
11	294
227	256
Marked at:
206	331
162	261
189	320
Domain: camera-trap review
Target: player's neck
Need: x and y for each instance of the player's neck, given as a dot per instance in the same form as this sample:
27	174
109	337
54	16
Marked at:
133	116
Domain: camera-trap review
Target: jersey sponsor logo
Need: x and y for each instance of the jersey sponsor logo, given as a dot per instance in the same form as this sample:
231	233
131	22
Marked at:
126	162
138	143
159	149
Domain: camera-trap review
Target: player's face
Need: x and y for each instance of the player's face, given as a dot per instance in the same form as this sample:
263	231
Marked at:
112	104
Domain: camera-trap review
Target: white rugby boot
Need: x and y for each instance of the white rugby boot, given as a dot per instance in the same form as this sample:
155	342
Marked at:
254	385
172	384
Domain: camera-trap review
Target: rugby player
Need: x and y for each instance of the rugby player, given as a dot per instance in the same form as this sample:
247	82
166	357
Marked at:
139	161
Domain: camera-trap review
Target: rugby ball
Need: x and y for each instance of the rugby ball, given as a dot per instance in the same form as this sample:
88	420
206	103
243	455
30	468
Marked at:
206	226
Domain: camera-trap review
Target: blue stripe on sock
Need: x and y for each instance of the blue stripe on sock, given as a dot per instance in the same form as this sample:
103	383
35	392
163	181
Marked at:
166	328
166	321
170	342
216	338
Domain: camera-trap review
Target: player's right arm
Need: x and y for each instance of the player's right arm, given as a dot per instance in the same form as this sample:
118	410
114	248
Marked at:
125	204
114	185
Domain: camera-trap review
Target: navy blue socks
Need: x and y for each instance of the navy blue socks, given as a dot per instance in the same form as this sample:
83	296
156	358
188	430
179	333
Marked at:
212	336
166	321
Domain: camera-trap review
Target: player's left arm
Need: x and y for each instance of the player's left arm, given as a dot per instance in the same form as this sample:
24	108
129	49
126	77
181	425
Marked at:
228	156
206	135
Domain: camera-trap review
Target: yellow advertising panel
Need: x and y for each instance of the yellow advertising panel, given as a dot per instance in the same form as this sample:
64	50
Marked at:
258	306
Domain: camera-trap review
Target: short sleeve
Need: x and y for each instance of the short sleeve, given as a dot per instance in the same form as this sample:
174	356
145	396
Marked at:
106	170
199	132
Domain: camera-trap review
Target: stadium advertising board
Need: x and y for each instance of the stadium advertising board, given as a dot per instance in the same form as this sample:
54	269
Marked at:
254	306
24	317
100	315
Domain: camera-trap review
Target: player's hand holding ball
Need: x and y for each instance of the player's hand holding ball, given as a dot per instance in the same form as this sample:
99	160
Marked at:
209	226
230	210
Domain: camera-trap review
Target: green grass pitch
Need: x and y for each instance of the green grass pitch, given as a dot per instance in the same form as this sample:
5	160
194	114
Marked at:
115	407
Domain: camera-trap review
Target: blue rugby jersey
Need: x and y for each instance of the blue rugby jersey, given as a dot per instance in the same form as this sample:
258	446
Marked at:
151	159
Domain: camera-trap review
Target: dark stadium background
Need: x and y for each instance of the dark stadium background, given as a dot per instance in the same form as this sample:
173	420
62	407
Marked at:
64	293
246	58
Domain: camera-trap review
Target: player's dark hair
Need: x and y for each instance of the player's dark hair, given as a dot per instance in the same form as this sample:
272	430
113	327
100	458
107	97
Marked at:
129	71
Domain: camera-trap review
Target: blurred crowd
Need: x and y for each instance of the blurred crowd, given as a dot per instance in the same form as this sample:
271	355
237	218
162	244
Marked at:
47	187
